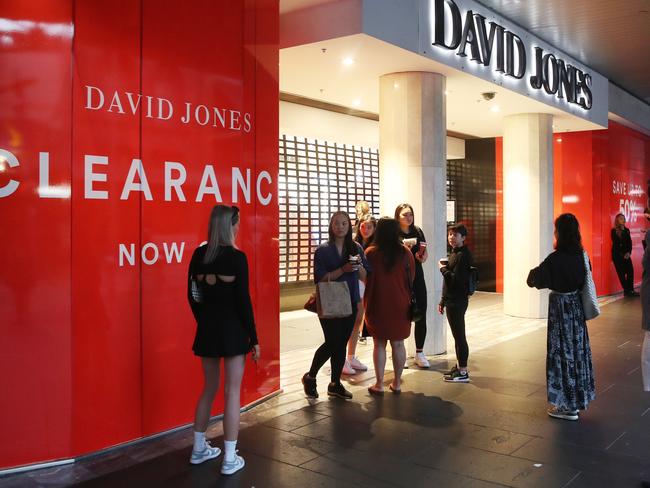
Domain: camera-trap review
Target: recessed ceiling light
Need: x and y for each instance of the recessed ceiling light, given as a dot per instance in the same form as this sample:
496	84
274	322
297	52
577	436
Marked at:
446	92
494	108
356	102
348	61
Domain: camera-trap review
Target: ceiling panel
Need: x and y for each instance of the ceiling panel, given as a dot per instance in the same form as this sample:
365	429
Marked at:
345	71
612	37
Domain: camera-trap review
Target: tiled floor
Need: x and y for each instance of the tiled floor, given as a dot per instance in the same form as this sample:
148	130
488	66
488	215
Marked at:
491	432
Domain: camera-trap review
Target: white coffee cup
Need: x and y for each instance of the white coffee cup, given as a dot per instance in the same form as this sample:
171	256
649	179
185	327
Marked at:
410	242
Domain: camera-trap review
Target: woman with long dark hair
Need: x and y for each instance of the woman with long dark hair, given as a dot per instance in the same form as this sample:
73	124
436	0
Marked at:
413	238
218	293
364	233
332	263
569	372
387	300
622	255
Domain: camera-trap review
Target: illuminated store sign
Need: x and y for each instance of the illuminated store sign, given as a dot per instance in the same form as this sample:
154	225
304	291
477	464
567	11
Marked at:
467	36
507	51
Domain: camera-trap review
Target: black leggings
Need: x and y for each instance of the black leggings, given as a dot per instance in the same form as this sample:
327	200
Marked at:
625	272
456	319
336	332
420	291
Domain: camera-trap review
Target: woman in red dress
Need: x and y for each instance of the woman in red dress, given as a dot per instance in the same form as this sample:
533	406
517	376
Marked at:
387	300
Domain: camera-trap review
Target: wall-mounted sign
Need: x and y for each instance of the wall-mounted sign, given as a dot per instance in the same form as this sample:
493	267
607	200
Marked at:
494	45
466	35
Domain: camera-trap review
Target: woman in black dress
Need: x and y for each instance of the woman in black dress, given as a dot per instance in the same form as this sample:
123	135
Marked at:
569	372
622	255
218	294
413	238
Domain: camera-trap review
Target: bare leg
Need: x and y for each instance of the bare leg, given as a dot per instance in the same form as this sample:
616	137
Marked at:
399	356
210	387
354	337
234	371
379	359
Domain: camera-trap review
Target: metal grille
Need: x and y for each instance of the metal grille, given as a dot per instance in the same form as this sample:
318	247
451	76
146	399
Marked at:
316	179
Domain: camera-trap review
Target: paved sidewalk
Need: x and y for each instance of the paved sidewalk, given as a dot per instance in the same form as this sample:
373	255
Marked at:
491	432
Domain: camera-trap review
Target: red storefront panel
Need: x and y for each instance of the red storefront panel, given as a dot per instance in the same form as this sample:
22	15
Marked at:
103	302
624	159
106	368
598	174
35	117
267	373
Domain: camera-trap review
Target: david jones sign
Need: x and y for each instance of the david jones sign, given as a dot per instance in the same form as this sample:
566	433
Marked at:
493	45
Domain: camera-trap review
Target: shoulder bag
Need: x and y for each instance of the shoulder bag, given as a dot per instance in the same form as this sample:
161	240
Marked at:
414	310
588	292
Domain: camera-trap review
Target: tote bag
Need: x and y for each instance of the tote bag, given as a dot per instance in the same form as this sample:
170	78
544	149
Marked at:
588	292
333	299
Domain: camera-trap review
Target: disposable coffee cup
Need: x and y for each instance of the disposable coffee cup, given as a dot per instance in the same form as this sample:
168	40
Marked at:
354	261
410	242
444	261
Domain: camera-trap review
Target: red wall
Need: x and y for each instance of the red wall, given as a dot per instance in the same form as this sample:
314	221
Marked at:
99	349
598	174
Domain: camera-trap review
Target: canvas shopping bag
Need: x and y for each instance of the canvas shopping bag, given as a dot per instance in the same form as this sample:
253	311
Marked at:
333	299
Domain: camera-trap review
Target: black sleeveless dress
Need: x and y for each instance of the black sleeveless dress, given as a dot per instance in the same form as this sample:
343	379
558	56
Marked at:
224	314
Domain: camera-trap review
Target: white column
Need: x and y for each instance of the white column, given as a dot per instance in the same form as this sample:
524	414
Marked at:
413	169
527	209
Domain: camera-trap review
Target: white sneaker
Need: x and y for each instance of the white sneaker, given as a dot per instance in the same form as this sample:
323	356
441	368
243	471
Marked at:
208	452
357	365
231	467
421	360
347	369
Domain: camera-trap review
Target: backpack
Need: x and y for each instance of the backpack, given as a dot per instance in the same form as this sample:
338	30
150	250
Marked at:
473	280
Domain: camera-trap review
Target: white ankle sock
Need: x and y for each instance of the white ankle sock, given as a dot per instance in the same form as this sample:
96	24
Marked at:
229	448
199	441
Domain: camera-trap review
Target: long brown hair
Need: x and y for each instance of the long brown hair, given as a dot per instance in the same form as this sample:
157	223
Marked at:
349	247
398	211
220	233
387	240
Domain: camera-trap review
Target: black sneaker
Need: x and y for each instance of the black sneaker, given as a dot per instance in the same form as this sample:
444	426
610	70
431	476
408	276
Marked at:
338	390
457	377
309	385
451	371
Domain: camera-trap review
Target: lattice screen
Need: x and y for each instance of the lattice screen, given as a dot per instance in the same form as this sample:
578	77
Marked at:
316	179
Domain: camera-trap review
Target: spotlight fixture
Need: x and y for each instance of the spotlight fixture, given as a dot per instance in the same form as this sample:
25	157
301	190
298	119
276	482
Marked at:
487	96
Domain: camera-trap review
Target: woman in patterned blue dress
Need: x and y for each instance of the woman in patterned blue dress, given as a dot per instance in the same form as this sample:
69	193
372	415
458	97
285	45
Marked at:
569	372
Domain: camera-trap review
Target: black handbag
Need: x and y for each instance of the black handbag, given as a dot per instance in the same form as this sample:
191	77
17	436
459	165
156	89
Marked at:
414	311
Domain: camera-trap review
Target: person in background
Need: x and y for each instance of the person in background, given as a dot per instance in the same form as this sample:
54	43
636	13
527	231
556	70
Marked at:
387	301
413	238
455	298
332	262
569	373
622	255
364	234
218	294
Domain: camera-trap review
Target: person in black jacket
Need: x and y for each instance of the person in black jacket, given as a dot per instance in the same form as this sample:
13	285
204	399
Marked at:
622	255
455	298
217	290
